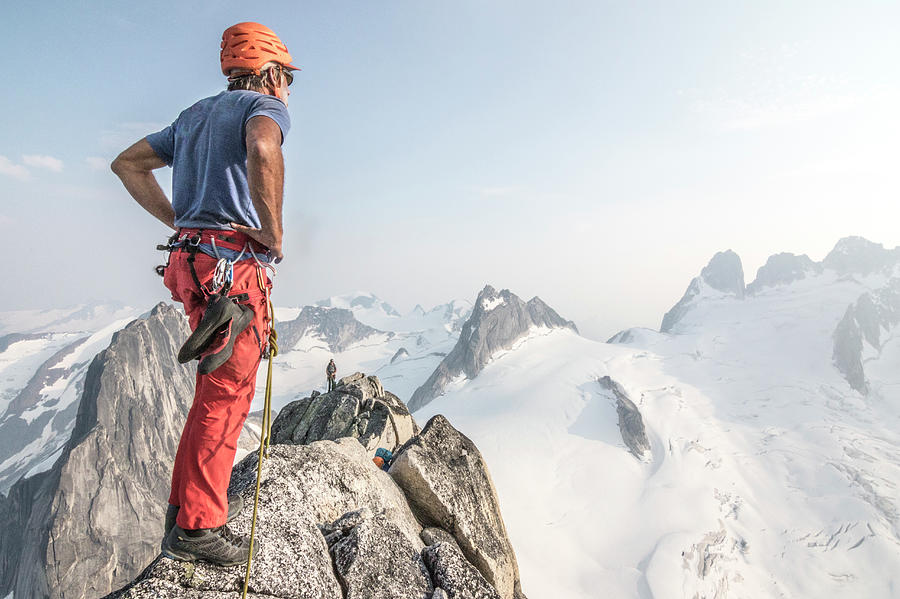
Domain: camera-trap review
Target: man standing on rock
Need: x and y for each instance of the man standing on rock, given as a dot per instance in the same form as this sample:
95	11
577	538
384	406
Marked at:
331	371
227	186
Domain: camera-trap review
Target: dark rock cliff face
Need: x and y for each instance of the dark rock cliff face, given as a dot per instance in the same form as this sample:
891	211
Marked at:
631	423
498	320
15	512
332	525
338	328
95	518
782	269
724	273
863	322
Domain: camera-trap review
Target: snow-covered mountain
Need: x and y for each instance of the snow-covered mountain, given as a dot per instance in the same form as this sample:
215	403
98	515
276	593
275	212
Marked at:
362	333
44	355
74	319
367	307
768	473
497	322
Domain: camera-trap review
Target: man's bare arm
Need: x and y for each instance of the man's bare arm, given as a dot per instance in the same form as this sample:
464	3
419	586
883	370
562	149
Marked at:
265	177
135	168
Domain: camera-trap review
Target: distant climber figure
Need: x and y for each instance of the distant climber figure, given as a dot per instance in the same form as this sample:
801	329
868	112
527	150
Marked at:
227	194
330	371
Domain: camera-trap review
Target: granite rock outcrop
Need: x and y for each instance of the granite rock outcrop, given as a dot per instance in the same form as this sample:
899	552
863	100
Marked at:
357	407
332	525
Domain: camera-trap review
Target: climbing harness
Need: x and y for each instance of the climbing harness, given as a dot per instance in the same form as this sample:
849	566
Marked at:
223	276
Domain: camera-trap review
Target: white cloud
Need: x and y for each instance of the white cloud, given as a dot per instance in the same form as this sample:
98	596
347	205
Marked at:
16	171
95	163
47	162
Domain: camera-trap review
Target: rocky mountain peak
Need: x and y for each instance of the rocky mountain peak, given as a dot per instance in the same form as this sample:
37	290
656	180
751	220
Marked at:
723	274
337	327
782	269
857	255
497	321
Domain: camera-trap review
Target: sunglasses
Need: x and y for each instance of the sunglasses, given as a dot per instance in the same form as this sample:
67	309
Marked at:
288	76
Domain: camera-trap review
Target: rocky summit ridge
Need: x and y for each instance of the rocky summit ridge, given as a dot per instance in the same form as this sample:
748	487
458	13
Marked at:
333	525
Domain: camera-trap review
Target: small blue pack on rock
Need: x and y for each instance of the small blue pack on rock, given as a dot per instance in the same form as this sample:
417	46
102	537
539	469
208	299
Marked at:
384	454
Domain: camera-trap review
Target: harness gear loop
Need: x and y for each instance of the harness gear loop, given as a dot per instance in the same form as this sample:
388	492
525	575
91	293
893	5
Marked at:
168	247
264	434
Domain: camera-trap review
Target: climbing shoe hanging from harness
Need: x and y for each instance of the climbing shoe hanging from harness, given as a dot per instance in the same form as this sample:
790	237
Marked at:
224	339
222	321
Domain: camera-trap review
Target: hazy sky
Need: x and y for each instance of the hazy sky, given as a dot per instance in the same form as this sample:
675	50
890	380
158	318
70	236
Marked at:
595	154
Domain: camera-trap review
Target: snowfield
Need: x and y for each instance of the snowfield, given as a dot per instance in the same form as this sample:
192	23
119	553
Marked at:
769	476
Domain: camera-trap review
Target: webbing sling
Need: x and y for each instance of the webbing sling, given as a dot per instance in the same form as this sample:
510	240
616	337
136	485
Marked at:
264	433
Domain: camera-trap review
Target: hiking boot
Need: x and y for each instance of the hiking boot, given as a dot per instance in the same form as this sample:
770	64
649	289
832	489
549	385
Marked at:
235	505
219	312
219	546
225	339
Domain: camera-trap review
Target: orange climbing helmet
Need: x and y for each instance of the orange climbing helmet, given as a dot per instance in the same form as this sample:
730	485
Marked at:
249	46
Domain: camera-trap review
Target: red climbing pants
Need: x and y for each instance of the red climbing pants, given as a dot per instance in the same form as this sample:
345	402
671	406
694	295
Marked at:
222	398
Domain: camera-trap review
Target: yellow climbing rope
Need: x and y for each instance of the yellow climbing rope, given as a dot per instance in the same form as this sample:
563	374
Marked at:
264	431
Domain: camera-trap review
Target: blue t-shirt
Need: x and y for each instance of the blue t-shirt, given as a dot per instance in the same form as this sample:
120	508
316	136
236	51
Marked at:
207	151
